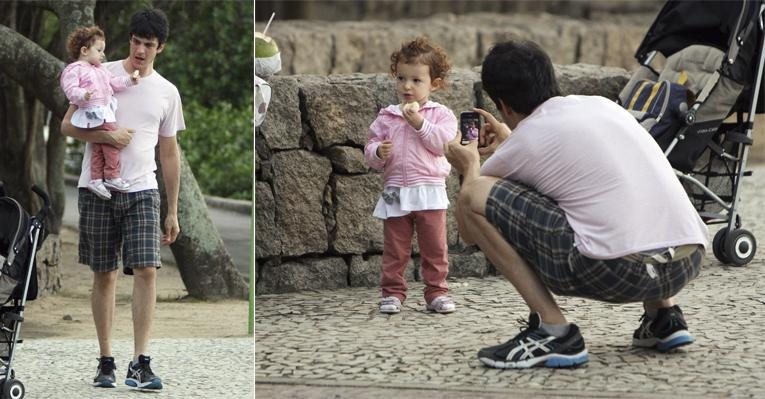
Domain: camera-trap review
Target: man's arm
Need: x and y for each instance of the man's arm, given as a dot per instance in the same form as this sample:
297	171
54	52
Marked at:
170	159
118	138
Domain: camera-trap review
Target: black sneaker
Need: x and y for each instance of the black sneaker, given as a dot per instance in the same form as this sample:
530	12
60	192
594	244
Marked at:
140	376
535	347
105	373
665	332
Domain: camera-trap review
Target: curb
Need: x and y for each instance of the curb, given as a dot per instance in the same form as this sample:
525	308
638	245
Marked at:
238	206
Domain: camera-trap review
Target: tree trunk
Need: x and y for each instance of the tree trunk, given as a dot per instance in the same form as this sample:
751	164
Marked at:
203	261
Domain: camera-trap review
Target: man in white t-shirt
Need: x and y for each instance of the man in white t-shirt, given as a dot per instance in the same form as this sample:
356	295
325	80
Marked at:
578	201
148	114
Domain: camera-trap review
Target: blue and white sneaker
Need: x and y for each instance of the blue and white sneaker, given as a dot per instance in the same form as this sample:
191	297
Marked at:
105	373
140	376
534	347
664	332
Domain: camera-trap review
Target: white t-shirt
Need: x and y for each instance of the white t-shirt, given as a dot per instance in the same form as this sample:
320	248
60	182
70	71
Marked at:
152	108
608	175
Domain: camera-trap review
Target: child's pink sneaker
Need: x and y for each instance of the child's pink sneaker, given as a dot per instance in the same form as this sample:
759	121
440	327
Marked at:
442	304
98	188
390	304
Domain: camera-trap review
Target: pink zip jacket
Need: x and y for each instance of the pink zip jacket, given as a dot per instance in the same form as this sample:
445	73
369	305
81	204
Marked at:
418	155
79	77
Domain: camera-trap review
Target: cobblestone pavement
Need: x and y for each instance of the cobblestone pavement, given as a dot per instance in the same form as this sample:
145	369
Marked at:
189	368
336	344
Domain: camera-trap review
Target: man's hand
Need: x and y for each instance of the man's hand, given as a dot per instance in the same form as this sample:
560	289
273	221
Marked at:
413	117
171	229
384	149
464	158
492	133
121	137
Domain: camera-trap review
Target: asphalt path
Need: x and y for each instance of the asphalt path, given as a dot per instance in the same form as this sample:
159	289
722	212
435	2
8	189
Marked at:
233	226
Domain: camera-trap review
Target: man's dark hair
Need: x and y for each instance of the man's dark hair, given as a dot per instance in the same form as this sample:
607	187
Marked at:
520	74
150	23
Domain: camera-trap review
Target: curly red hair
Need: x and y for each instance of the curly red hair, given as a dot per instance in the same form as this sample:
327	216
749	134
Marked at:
83	36
422	51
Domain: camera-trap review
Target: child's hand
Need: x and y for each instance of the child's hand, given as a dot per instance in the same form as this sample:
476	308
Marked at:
384	150
87	96
413	117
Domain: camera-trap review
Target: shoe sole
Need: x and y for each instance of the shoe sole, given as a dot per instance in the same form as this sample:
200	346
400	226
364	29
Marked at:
551	361
104	384
115	188
149	386
442	311
392	311
676	340
99	195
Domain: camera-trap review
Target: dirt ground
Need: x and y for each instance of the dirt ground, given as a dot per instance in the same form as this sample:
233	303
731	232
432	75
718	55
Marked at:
67	313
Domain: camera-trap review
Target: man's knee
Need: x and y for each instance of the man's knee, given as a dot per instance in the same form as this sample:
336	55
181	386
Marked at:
145	273
473	195
104	280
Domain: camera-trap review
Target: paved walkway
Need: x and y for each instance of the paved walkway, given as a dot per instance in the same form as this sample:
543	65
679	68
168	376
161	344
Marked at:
189	368
335	344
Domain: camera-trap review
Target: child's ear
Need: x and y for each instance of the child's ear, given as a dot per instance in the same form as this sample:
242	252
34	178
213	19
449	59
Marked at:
83	50
437	83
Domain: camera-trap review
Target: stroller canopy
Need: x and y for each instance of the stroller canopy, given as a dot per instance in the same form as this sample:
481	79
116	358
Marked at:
731	26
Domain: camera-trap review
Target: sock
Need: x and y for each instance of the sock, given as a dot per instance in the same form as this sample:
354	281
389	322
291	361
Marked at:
556	330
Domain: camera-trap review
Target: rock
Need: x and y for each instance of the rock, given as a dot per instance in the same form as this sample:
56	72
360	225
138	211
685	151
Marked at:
300	179
308	273
357	231
347	159
281	128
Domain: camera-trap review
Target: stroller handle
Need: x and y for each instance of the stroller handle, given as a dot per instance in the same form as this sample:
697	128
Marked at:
44	196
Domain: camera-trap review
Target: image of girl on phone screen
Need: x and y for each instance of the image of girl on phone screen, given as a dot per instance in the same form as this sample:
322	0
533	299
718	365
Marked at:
407	142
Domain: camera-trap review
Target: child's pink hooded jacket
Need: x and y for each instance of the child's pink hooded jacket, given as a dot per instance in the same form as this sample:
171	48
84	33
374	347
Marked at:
418	155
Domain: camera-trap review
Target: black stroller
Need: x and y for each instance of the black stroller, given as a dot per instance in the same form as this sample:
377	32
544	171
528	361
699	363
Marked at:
21	235
700	107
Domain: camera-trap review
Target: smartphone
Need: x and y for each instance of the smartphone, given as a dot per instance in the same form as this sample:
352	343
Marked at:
470	125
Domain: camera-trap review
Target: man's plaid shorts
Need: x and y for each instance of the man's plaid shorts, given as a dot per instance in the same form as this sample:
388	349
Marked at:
127	224
537	229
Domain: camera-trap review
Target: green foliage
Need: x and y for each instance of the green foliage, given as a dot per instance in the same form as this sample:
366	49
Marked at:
210	51
218	145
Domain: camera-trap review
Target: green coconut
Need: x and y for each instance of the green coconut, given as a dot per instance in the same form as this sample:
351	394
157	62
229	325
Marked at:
265	46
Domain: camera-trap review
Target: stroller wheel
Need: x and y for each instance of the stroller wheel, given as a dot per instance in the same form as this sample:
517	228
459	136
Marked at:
13	389
740	247
718	246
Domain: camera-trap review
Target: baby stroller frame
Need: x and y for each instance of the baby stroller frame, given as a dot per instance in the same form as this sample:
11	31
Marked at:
711	154
18	263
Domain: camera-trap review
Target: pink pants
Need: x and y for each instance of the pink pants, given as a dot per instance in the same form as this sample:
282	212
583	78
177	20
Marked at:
105	159
434	255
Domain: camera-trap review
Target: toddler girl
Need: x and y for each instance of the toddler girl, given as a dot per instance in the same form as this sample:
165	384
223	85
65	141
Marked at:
407	141
91	87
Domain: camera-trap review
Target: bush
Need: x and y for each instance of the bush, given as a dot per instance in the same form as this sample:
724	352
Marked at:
218	145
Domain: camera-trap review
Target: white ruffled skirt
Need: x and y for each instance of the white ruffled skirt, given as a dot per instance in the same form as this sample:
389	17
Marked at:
400	201
90	117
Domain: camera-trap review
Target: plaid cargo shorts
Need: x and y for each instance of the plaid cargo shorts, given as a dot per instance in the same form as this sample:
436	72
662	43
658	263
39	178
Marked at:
127	224
537	228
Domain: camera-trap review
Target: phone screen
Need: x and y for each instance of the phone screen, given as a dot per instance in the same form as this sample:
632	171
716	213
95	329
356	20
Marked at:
470	124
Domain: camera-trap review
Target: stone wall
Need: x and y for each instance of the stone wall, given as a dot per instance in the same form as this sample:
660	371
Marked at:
322	47
390	10
315	194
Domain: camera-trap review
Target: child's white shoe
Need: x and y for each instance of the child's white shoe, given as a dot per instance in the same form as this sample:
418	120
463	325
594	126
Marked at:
442	304
117	184
97	187
390	304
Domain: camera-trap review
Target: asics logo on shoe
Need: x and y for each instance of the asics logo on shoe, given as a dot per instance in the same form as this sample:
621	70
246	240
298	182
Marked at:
528	347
